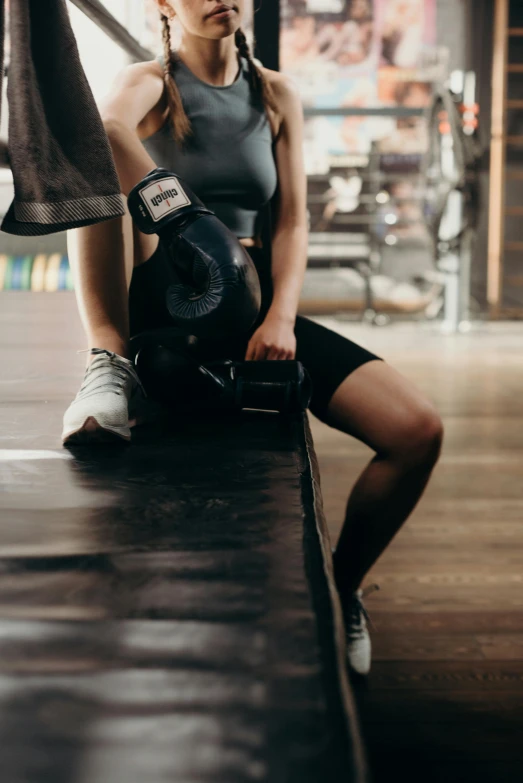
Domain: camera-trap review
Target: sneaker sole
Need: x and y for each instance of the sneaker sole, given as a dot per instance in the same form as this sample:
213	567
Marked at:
358	672
93	432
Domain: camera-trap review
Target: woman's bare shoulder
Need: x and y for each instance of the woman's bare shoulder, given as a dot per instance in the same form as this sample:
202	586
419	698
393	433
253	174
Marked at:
283	86
136	72
136	93
286	97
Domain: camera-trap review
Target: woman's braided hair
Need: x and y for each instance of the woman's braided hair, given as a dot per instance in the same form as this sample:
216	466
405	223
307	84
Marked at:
181	126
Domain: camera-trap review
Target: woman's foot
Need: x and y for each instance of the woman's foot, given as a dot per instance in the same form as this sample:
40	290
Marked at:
100	410
359	646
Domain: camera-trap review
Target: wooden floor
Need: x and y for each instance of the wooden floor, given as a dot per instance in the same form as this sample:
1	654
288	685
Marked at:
445	698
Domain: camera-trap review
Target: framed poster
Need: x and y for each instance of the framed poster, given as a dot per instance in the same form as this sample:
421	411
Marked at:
360	54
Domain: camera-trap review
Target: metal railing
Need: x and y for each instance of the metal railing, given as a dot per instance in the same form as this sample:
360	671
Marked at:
366	111
99	14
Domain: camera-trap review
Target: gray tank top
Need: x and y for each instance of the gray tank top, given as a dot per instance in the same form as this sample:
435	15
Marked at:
228	161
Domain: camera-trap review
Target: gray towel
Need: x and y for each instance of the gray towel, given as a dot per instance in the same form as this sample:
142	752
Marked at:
62	165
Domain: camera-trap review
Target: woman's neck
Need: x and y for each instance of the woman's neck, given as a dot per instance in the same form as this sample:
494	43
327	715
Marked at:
215	62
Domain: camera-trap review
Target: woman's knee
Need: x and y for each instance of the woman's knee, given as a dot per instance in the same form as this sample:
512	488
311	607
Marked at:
420	436
380	407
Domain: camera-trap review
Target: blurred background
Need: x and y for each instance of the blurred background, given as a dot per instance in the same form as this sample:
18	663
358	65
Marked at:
405	210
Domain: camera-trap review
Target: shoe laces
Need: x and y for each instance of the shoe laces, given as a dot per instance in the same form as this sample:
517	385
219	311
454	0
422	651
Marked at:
357	614
108	372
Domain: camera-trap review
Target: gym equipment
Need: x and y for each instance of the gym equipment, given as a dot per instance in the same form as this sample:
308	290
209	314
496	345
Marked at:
38	273
25	273
35	273
20	273
8	273
63	270
282	386
52	273
14	273
3	269
69	282
451	206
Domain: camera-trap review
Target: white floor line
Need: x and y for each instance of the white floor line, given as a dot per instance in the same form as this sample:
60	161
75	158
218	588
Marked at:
11	455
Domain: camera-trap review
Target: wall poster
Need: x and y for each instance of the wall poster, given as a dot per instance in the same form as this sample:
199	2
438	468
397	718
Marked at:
363	54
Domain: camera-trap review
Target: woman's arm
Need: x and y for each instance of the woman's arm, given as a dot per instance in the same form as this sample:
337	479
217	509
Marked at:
290	233
135	97
275	338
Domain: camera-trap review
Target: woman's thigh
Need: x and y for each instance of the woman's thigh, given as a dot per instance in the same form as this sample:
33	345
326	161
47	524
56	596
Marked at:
329	359
356	392
147	303
385	410
143	245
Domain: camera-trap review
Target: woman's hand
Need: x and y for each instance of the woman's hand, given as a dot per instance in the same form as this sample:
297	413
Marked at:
273	340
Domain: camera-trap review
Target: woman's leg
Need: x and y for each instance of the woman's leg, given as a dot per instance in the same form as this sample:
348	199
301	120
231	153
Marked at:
102	256
384	410
100	261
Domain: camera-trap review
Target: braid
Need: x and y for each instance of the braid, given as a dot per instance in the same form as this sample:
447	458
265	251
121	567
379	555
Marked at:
258	82
181	126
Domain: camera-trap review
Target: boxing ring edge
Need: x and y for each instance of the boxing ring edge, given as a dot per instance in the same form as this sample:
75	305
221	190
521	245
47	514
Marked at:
360	766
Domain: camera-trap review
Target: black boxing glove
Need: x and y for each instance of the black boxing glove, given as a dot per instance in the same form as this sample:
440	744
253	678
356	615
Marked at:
173	376
215	289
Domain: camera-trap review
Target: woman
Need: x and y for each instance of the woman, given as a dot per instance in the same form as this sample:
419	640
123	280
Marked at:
234	132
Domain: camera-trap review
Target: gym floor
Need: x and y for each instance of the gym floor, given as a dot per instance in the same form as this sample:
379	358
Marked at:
444	701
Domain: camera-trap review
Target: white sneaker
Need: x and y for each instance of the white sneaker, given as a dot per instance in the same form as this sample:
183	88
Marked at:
100	410
359	647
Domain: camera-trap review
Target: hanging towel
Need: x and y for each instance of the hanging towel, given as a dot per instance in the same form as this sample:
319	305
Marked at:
63	168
